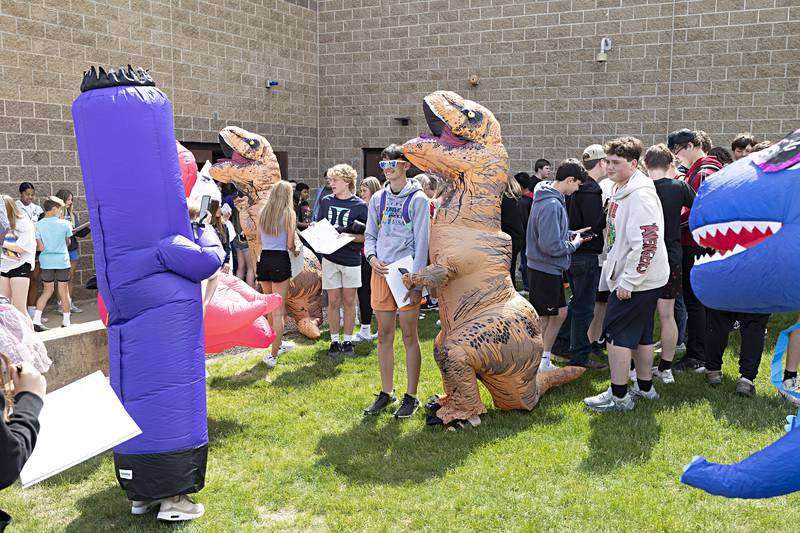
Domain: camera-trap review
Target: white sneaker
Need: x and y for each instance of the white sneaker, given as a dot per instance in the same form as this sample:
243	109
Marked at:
361	337
287	345
632	375
657	347
665	376
791	385
606	401
74	308
143	507
269	360
545	365
680	349
637	393
180	508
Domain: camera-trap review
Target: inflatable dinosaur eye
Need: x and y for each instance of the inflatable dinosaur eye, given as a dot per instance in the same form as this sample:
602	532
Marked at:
472	116
254	144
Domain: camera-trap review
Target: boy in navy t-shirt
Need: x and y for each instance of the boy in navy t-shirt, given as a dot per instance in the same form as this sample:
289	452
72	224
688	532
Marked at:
341	270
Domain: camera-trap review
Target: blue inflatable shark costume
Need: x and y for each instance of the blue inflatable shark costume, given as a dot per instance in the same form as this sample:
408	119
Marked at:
750	213
150	261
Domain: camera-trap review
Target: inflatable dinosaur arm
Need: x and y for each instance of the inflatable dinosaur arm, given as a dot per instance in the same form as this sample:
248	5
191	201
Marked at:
194	261
433	276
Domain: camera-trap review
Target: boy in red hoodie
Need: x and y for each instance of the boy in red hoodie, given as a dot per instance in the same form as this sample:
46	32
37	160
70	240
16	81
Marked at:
691	149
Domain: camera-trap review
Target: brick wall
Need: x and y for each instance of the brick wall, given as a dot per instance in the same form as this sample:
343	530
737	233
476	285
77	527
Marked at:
348	67
729	66
211	58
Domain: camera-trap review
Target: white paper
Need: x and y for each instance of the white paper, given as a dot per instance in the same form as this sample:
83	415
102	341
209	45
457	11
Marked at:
297	261
324	238
78	421
395	280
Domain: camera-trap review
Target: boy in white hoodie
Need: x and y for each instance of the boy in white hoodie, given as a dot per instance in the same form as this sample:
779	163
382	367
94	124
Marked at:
635	272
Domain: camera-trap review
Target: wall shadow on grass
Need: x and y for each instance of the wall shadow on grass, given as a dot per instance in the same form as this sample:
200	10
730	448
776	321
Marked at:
377	450
221	429
323	367
241	379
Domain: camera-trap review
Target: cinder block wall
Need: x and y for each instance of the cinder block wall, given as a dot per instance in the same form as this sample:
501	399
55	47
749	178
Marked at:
724	66
212	59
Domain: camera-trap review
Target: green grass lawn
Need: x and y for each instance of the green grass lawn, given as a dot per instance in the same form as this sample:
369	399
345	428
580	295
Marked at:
290	450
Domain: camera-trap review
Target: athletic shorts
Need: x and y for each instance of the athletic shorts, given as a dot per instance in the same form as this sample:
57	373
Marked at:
336	276
74	255
674	285
629	323
602	296
274	266
22	271
381	298
546	292
49	275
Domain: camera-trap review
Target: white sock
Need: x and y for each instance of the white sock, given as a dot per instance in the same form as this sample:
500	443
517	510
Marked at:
365	329
348	338
334	337
545	356
37	316
65	321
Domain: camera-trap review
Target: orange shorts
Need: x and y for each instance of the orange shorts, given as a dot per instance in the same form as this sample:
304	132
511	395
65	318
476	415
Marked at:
382	298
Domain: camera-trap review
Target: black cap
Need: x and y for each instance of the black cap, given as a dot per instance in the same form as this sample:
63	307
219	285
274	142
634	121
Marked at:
679	137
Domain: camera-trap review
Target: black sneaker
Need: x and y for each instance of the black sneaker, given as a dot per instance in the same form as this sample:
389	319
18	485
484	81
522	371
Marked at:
408	407
430	306
597	349
347	348
40	328
335	348
382	401
689	364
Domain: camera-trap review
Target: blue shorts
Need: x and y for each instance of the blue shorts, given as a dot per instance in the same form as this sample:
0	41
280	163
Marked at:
73	255
629	323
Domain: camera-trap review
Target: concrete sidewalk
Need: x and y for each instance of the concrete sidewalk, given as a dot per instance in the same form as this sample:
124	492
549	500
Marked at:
53	316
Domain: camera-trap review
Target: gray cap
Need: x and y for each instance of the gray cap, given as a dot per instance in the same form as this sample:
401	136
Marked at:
593	151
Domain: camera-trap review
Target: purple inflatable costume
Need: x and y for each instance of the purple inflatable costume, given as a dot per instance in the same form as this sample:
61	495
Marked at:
150	261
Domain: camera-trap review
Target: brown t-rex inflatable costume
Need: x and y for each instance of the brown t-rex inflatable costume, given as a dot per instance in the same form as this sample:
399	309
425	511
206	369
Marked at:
254	169
488	331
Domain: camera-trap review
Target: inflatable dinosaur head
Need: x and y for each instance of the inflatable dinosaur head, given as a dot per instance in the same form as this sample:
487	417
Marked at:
251	164
749	213
461	132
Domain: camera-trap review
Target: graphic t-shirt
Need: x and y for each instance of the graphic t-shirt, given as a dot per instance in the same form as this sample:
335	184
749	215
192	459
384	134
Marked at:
53	232
341	213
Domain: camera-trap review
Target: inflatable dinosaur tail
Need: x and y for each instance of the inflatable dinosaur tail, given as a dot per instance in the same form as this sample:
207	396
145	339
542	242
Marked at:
770	472
553	378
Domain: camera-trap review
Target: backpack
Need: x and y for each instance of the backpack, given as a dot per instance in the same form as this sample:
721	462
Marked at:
405	211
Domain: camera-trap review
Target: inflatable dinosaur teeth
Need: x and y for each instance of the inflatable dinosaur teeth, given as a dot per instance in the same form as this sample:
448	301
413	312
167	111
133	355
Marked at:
251	166
749	214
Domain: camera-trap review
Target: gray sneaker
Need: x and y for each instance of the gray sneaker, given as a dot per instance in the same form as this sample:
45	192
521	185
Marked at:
638	393
714	377
179	508
663	376
745	387
791	385
606	401
144	506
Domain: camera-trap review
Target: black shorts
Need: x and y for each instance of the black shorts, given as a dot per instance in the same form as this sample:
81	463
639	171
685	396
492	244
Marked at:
629	323
22	271
602	296
674	285
546	292
49	275
274	266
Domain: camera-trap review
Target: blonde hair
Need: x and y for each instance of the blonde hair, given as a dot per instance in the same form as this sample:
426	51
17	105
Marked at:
372	183
344	172
7	384
424	180
278	213
194	209
513	190
12	211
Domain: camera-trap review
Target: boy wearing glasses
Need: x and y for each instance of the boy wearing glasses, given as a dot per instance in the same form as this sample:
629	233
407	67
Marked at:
691	148
635	272
397	226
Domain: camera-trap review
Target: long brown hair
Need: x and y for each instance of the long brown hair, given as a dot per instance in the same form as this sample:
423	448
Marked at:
278	213
69	212
6	384
216	221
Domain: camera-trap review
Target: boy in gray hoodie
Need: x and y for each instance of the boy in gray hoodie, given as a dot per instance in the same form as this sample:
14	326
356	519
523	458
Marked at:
397	226
549	246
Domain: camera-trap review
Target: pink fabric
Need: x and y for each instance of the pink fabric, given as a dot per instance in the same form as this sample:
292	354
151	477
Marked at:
18	341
